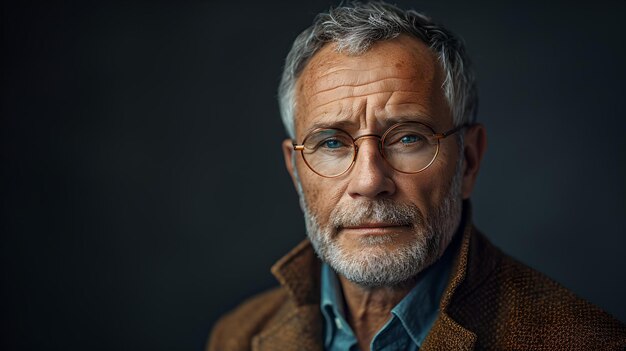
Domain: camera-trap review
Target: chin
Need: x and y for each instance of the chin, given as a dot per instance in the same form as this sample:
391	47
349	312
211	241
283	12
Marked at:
376	240
379	260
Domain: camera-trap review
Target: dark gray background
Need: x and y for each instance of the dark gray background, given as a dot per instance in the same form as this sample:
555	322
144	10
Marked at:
143	188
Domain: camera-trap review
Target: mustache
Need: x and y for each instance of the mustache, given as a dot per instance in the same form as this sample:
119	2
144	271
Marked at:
383	210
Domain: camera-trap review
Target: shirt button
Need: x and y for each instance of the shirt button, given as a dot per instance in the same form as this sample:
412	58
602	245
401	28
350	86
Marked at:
338	323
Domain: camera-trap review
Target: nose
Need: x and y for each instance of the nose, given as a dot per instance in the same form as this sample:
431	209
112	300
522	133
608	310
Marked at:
371	175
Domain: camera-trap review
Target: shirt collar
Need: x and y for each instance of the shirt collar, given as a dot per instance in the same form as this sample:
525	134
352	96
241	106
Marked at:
418	310
331	302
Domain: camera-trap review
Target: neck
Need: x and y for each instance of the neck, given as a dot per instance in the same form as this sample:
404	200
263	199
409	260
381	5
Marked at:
368	309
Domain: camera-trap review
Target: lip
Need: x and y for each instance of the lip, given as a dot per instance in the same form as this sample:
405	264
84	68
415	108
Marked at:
372	225
374	228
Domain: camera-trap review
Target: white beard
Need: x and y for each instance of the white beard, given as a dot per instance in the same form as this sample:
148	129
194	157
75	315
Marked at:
374	264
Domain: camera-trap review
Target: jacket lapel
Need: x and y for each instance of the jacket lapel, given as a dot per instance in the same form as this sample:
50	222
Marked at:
447	334
299	326
299	330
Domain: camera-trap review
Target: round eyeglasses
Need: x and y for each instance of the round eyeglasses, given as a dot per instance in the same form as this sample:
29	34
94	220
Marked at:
408	147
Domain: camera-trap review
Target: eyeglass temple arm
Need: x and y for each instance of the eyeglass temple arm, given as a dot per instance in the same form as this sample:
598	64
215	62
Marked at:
450	132
297	147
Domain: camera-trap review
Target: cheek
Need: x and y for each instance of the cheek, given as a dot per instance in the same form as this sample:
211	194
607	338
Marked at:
321	195
312	195
310	186
427	189
416	189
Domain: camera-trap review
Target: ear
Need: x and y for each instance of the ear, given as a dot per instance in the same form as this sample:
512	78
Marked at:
289	154
475	144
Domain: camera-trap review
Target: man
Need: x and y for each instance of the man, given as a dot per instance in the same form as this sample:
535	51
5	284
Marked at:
380	105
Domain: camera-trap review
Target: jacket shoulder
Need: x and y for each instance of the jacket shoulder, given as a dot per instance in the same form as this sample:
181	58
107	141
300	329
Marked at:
517	307
555	313
234	330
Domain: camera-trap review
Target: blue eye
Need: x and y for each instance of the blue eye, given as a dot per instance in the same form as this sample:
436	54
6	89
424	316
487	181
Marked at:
409	139
333	144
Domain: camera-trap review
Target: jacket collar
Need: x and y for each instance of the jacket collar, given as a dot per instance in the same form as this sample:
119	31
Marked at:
299	274
299	327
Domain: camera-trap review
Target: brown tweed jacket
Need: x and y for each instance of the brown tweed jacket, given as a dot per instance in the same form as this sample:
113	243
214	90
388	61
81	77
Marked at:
492	302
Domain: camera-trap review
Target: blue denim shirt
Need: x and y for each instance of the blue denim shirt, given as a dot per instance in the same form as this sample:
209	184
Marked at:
411	319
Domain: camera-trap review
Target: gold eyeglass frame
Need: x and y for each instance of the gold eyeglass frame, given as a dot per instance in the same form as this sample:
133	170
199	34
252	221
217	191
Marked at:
437	136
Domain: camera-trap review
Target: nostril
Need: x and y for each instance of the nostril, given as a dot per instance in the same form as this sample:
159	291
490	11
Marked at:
371	177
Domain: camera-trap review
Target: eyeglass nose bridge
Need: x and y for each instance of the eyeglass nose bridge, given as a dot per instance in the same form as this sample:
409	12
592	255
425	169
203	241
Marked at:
367	136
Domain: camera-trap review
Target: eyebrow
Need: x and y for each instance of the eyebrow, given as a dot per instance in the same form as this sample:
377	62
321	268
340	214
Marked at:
342	124
424	119
386	123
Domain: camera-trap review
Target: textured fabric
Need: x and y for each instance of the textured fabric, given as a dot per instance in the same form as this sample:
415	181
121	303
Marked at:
491	302
411	318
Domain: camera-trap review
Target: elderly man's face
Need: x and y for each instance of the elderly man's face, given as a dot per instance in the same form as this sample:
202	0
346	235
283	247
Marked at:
374	225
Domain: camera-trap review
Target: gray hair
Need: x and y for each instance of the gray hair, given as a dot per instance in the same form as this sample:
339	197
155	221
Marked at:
355	27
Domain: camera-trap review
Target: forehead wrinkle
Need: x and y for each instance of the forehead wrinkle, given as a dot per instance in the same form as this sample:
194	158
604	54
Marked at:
362	96
336	70
331	87
342	112
360	108
387	111
355	77
344	108
334	85
359	85
406	101
403	111
328	92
